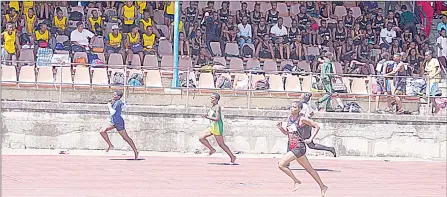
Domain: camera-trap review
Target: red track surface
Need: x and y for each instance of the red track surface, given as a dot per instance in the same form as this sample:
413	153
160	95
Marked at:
69	175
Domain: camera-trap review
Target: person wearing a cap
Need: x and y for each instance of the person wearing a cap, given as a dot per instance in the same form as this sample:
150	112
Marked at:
400	82
79	38
114	43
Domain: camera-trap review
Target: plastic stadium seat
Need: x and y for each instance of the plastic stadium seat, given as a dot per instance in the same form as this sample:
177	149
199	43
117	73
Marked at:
100	79
253	63
359	87
293	83
151	61
285	62
254	79
115	59
159	16
340	11
215	48
265	6
26	55
270	65
27	76
67	80
164	29
80	55
294	9
313	51
102	57
304	65
338	68
236	64
287	21
62	38
232	49
164	48
98	42
206	80
220	60
167	62
282	9
109	28
136	62
185	63
276	83
356	12
82	78
239	76
306	84
9	76
153	80
45	78
234	7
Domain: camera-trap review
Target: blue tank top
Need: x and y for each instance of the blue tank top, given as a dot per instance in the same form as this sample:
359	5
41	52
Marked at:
118	107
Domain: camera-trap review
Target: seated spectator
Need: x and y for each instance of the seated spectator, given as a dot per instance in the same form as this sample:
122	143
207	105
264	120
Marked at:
358	65
442	24
256	15
325	10
365	20
441	43
30	22
114	42
339	36
278	32
244	35
10	44
134	46
209	8
272	14
183	46
311	9
264	49
299	50
171	30
349	20
421	37
395	48
95	24
386	36
230	30
149	39
80	38
14	5
212	32
293	31
146	22
42	37
370	35
357	36
378	22
243	12
12	17
199	46
260	30
415	60
224	12
191	13
128	16
60	22
324	35
392	19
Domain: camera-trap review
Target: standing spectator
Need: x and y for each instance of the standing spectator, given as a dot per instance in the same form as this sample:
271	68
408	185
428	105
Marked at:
407	20
391	18
169	11
244	34
386	36
96	24
212	33
128	16
400	83
433	73
278	32
224	12
79	38
327	74
229	30
60	22
429	12
114	43
383	84
442	24
12	17
26	6
441	43
10	44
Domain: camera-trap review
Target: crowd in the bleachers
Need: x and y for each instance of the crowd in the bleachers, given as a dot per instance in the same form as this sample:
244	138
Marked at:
235	35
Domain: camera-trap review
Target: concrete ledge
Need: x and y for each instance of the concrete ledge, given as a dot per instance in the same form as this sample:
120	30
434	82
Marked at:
75	126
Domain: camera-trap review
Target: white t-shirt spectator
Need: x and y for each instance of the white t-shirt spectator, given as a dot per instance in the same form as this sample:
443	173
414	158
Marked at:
244	31
442	41
388	35
278	31
81	37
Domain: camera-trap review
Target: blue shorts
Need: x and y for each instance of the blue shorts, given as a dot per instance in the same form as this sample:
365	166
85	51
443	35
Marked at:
383	85
118	124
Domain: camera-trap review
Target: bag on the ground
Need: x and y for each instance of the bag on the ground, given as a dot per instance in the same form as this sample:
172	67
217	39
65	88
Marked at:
118	78
223	82
262	84
247	51
352	107
241	83
339	86
136	79
184	82
288	68
317	85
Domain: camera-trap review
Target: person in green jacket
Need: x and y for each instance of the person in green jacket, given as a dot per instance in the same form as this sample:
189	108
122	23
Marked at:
327	74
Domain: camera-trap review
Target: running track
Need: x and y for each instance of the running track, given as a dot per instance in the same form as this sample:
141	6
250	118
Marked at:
109	176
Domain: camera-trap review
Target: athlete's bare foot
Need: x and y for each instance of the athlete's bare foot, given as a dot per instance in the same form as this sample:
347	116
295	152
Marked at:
110	148
323	191
136	155
233	159
296	186
212	152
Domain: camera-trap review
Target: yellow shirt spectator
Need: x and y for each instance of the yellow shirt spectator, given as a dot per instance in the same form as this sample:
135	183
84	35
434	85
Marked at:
115	41
147	23
142	5
170	9
26	6
10	42
30	23
60	23
15	5
43	36
129	12
148	40
93	22
133	40
180	26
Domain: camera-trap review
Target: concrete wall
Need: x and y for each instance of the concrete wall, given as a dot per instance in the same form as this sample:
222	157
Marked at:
76	126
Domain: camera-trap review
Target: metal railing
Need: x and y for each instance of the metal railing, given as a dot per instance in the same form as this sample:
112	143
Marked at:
249	92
